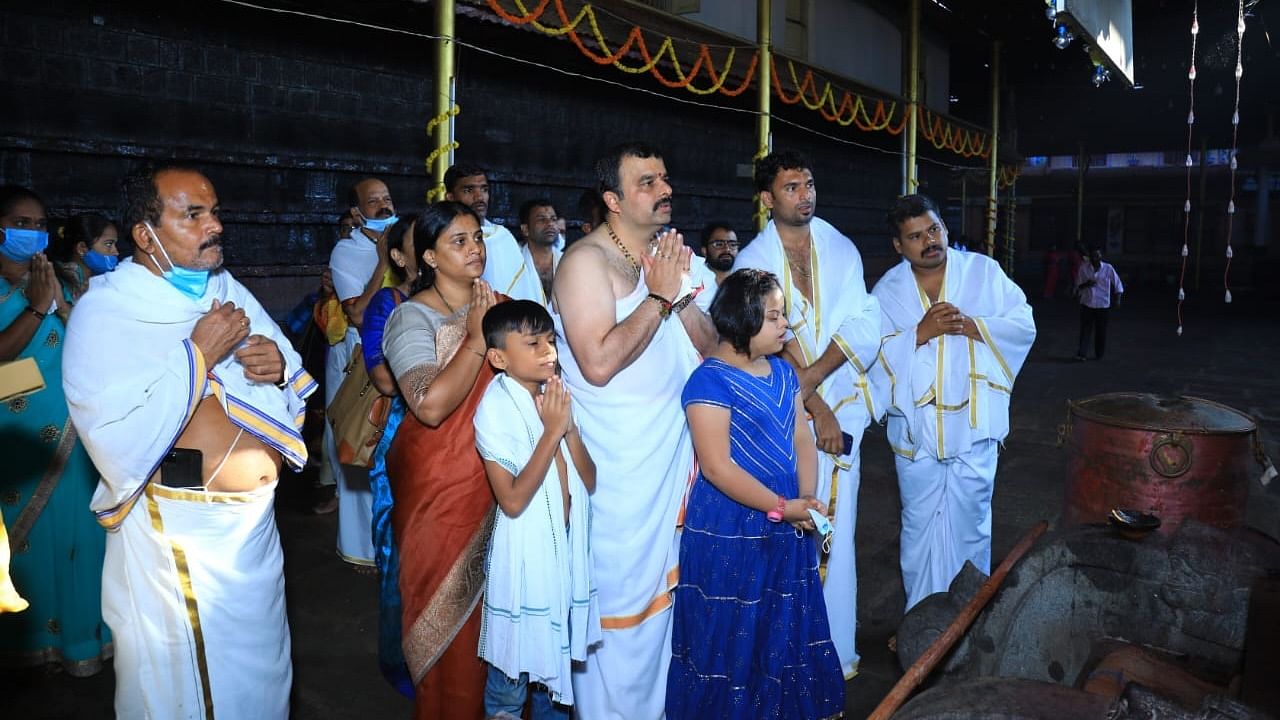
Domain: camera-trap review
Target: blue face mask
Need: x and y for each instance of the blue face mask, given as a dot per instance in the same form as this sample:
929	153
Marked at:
20	245
99	263
191	283
379	224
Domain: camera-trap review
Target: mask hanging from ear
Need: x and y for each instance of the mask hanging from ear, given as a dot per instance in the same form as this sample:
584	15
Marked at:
191	283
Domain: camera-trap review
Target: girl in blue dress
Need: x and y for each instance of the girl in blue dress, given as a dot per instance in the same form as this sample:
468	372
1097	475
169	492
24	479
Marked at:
750	637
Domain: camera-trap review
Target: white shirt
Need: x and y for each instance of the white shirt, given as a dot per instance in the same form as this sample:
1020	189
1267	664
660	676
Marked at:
1105	282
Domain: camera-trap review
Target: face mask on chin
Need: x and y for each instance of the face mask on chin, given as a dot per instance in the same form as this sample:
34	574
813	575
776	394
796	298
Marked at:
379	224
20	245
191	283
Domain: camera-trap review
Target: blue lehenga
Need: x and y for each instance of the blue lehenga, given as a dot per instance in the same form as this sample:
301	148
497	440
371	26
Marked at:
750	637
385	555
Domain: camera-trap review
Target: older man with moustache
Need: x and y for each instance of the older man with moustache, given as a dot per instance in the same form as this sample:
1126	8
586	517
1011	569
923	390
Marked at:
358	265
189	399
629	338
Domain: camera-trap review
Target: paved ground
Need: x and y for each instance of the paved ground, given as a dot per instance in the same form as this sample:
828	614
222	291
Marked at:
1226	354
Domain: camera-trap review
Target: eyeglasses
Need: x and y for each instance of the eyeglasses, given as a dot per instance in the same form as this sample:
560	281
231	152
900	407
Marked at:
723	244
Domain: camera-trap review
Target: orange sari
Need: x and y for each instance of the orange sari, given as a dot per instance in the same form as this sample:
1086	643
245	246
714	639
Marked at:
442	519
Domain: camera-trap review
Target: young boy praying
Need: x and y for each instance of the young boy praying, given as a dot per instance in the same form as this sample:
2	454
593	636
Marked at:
539	610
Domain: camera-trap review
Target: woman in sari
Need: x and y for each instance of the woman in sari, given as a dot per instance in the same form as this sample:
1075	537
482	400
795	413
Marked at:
48	479
404	270
443	511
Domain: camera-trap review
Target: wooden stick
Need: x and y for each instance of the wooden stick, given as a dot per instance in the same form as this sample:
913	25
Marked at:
924	664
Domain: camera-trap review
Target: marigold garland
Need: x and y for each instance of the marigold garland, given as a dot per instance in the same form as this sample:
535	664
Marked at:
868	114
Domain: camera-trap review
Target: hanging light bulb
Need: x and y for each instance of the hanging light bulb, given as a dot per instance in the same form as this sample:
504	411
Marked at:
1051	10
1062	37
1186	208
1184	251
1233	161
1195	26
1182	295
1191	74
1230	254
1191	118
1228	297
1188	165
1239	71
1179	331
1231	210
1100	75
1235	118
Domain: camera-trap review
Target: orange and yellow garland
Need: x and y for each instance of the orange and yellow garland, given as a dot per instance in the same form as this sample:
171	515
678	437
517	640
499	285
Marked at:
868	114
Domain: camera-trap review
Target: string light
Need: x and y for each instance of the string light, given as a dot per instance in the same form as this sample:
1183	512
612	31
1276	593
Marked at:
1062	37
1235	135
1191	121
1100	75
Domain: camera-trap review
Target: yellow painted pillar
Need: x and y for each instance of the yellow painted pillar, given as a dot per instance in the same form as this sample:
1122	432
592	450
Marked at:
443	133
910	180
764	136
994	174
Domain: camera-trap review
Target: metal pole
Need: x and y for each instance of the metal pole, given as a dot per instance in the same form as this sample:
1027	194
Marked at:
994	173
444	86
964	203
910	181
764	138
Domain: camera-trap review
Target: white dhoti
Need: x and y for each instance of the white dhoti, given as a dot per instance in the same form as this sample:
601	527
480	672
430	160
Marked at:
841	313
352	264
946	517
195	598
635	429
193	584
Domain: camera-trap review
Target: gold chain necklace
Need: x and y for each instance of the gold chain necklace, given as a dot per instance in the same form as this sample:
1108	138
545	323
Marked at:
635	266
799	268
446	302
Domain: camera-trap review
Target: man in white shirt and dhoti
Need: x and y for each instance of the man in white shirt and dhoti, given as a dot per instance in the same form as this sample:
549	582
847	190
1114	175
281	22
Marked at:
189	399
630	336
358	265
835	336
957	332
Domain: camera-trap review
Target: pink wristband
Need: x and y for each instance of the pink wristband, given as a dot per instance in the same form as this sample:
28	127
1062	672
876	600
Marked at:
775	515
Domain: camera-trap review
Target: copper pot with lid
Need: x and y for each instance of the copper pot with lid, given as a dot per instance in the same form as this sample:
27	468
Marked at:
1174	458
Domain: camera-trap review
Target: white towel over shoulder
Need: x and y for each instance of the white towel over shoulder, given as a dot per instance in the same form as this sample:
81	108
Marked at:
540	608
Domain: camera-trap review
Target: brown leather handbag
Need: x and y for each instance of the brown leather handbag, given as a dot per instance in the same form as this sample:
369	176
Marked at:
358	414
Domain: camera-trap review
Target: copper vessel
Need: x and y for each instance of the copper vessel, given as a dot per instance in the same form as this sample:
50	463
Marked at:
1175	458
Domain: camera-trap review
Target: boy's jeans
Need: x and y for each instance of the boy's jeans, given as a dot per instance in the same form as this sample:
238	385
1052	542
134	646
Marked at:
504	695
